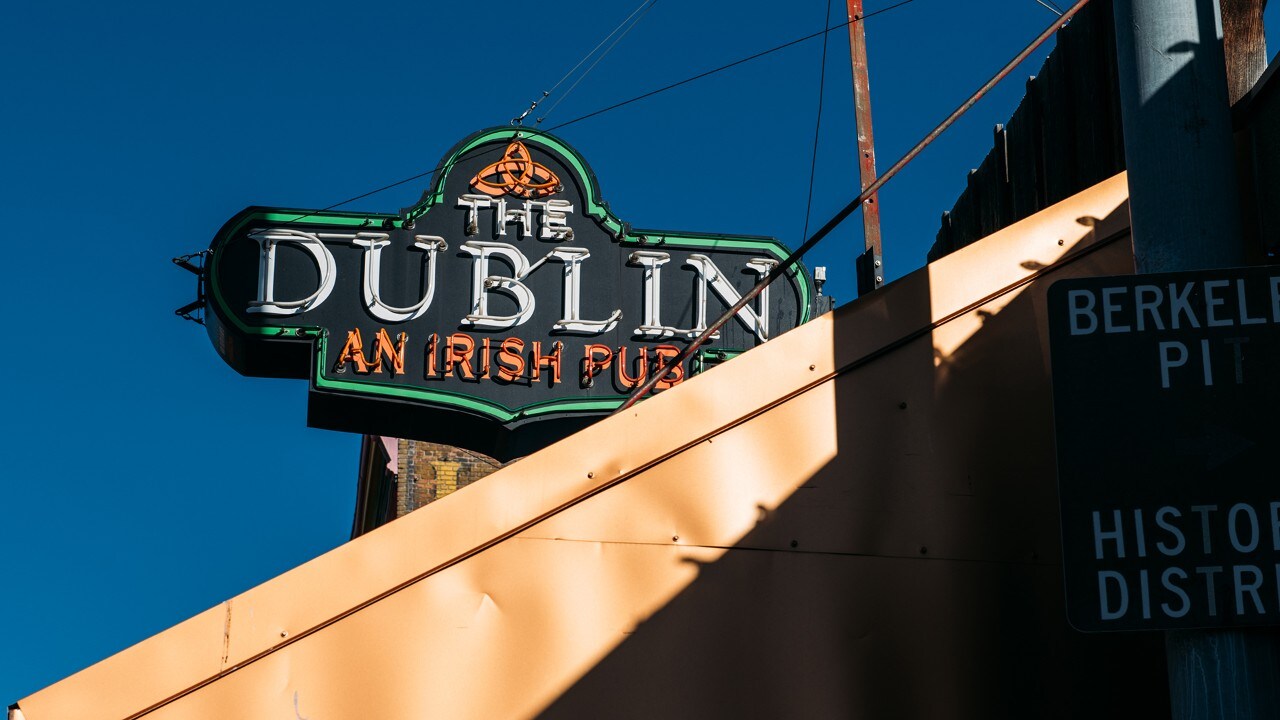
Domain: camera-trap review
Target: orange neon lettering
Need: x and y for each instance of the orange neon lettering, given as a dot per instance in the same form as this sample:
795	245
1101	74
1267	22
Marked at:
484	359
383	347
511	359
673	377
459	349
592	367
643	361
552	360
353	351
432	343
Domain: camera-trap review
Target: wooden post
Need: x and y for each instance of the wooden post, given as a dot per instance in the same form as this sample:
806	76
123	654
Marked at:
1245	45
870	264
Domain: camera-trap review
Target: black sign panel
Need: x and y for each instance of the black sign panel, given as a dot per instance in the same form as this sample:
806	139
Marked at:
1165	401
506	309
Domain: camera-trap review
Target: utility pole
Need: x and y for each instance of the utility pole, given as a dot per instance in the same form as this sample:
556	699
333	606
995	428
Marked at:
870	265
1183	195
1185	215
1245	42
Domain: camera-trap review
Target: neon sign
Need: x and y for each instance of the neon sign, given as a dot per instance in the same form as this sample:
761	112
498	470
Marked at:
506	309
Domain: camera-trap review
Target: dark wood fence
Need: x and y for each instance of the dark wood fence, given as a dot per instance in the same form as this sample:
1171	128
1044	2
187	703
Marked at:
1065	136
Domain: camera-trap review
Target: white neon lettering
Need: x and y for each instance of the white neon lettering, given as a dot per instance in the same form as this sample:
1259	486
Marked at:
755	320
572	321
268	240
652	262
373	243
551	217
473	203
482	284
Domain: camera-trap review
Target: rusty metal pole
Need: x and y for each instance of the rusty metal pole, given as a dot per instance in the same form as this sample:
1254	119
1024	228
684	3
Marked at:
870	265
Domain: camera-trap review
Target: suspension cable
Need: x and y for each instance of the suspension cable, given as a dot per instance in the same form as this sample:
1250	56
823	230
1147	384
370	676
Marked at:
593	65
533	105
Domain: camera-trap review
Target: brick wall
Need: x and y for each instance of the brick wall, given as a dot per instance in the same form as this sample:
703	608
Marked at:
429	471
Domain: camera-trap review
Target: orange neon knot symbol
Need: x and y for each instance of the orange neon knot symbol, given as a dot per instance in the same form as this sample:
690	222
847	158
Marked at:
518	175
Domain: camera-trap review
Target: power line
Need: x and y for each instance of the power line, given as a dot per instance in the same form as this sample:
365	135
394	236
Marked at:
442	166
650	4
733	64
601	43
615	106
641	9
790	261
817	126
362	196
1051	7
572	70
644	6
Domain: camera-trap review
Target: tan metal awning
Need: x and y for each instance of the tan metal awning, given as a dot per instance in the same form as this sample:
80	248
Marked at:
858	518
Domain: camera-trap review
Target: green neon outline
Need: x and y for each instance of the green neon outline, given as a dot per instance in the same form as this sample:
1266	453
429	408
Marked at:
434	196
596	207
699	364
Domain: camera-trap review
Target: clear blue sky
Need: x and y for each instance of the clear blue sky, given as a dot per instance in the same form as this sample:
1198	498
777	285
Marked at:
143	481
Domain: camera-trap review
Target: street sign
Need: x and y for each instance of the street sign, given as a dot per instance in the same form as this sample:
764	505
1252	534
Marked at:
1165	401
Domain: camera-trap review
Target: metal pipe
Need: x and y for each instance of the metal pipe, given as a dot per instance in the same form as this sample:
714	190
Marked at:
847	210
1183	194
1185	214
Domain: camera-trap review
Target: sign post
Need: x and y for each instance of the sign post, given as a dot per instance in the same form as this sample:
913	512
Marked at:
1184	202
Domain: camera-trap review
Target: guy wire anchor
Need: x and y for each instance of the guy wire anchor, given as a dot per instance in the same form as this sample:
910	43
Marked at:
193	310
532	106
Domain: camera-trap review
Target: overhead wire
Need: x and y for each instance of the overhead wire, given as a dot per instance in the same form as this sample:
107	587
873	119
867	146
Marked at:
545	93
629	22
1051	7
817	126
790	261
733	64
624	103
647	7
362	196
